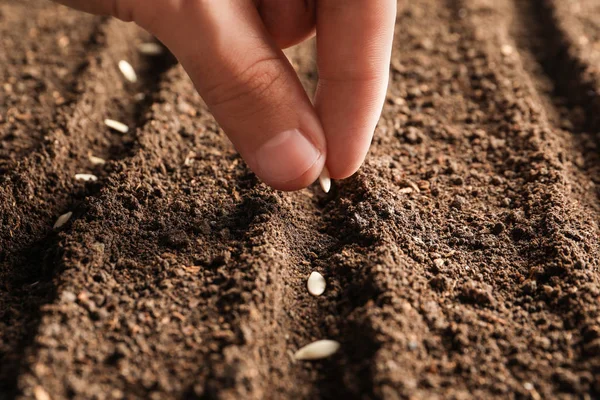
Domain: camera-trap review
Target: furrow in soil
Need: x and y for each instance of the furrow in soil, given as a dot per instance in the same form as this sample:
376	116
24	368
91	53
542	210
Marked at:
146	275
292	240
557	47
40	186
284	247
567	51
43	47
512	240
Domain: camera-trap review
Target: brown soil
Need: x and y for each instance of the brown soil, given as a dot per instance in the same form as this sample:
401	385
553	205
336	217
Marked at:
461	260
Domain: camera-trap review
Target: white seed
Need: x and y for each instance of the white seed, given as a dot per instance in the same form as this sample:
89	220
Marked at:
116	125
316	284
97	160
128	71
150	49
63	219
86	177
325	180
317	350
39	393
506	50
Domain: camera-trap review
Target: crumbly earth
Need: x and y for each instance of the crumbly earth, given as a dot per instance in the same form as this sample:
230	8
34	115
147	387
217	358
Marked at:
461	260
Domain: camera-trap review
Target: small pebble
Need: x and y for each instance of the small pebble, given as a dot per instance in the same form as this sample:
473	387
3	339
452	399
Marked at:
128	71
150	49
63	219
325	180
68	297
317	350
116	125
316	284
97	160
184	108
86	177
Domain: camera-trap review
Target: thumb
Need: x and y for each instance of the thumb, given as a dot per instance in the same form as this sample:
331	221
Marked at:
244	78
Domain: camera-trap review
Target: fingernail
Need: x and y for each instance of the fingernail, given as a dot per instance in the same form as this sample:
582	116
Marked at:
286	157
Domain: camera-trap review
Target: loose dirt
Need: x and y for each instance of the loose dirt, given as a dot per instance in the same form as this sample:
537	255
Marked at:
461	261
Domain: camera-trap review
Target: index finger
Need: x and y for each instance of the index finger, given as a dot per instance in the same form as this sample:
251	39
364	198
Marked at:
354	43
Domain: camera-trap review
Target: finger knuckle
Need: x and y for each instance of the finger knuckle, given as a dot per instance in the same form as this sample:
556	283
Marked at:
251	90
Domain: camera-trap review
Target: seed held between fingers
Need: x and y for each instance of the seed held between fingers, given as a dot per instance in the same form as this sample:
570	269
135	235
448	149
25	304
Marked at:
317	350
116	125
316	284
127	71
63	219
325	180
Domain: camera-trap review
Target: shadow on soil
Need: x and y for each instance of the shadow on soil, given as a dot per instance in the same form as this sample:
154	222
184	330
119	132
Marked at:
26	286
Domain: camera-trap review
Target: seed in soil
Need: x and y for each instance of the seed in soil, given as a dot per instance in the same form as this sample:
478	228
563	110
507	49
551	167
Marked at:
116	125
506	50
316	284
63	219
39	393
317	350
128	71
97	160
86	177
150	49
325	180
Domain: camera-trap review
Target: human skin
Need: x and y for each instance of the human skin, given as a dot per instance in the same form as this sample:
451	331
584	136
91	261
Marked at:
232	51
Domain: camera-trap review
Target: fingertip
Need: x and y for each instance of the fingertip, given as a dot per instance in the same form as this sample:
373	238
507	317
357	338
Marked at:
354	47
305	179
290	160
344	167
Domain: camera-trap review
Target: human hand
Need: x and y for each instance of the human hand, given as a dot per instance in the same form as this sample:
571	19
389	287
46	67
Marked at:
232	51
